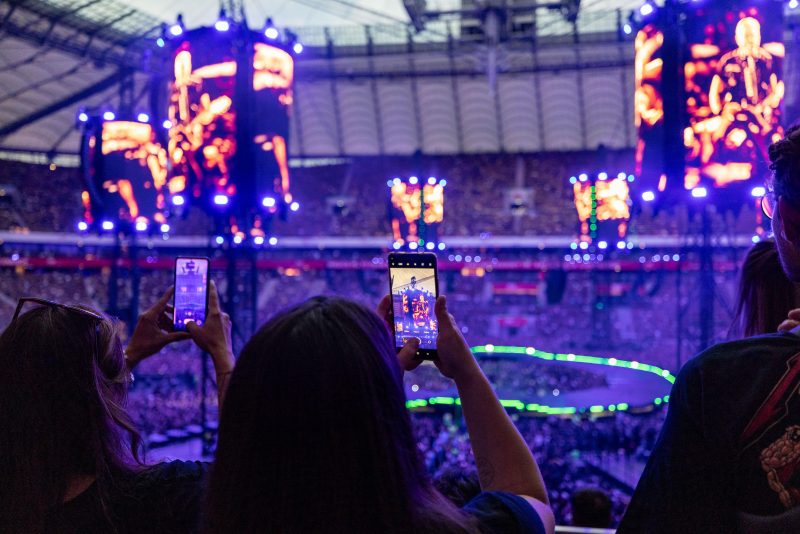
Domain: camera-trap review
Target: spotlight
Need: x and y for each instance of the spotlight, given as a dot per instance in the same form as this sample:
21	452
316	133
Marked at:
238	239
443	182
758	191
270	31
221	200
602	245
621	245
107	225
793	4
178	200
268	202
160	42
83	117
583	177
648	196
141	226
621	176
177	29
222	24
109	116
432	181
584	245
167	124
429	245
164	228
83	226
602	176
396	245
389	183
273	241
413	245
294	206
396	181
258	240
143	117
573	180
627	29
298	48
699	192
646	9
413	180
441	246
219	240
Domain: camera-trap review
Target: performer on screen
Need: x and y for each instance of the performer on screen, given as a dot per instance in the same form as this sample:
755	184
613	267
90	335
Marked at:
416	306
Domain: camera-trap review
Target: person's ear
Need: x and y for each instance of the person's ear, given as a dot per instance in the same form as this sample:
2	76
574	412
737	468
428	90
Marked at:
790	221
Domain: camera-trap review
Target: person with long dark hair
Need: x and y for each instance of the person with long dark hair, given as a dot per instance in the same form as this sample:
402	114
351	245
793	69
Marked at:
315	435
766	295
70	457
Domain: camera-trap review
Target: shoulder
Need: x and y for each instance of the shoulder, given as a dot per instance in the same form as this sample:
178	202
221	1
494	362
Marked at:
501	512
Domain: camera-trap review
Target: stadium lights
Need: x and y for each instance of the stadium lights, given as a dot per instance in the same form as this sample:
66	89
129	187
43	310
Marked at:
648	196
432	180
164	228
222	24
141	226
258	240
221	200
413	180
268	202
429	245
178	200
109	116
143	117
699	192
176	29
758	191
83	117
83	226
646	9
107	225
273	241
294	206
298	48
270	31
793	4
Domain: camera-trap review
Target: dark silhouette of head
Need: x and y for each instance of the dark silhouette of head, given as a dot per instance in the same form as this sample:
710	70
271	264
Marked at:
315	436
62	393
413	282
591	508
784	188
765	294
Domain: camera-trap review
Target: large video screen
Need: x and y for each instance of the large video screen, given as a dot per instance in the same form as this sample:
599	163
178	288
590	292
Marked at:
227	145
731	95
125	170
416	209
604	207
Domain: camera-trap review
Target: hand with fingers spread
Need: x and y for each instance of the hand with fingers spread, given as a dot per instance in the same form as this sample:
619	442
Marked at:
153	331
214	336
792	322
407	356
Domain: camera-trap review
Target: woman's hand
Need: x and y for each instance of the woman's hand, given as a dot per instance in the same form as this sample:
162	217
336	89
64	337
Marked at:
792	322
407	356
153	331
214	336
455	359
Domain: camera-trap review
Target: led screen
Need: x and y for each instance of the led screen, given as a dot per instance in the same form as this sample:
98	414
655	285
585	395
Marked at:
125	170
416	209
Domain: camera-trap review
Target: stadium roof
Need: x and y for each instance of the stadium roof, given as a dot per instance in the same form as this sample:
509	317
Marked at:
57	56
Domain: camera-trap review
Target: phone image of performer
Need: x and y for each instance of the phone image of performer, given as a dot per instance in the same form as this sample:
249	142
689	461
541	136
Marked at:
414	289
191	291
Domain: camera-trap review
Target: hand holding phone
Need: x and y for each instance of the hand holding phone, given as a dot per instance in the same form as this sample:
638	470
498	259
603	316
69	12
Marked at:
191	292
414	286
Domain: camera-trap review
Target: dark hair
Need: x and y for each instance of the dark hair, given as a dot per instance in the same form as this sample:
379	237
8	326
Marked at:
591	508
459	485
765	294
61	411
784	156
315	435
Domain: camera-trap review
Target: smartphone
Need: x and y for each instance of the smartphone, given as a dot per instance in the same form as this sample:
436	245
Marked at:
414	286
191	292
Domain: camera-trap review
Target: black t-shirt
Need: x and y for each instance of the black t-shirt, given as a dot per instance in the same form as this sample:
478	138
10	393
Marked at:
730	446
504	513
165	498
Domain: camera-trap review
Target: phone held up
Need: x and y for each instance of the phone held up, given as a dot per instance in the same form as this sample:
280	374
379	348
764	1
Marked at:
414	286
191	292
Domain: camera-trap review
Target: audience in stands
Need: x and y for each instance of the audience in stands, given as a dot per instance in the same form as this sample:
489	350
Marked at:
766	295
726	459
72	459
332	361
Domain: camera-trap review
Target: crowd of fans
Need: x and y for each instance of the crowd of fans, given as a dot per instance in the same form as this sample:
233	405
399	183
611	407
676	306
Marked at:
350	198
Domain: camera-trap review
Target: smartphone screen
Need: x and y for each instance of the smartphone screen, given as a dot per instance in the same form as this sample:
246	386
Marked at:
414	288
191	291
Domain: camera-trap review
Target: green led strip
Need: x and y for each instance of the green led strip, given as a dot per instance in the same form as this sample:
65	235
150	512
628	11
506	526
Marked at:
552	410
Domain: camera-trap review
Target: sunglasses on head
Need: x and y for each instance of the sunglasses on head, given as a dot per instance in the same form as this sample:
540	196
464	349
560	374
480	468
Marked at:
49	303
